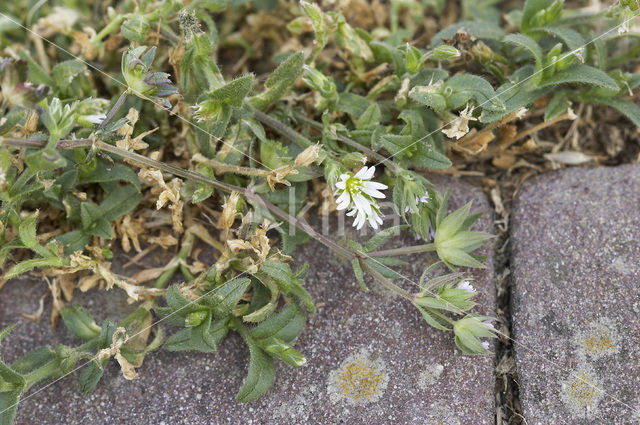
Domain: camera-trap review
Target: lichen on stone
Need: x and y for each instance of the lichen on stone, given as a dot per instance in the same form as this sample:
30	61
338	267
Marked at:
441	414
581	392
361	379
598	340
430	375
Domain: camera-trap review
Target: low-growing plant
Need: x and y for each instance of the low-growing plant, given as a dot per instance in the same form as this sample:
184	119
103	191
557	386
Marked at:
99	128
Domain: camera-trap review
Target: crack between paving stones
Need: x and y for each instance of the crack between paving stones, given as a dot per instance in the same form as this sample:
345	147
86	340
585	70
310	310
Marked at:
508	410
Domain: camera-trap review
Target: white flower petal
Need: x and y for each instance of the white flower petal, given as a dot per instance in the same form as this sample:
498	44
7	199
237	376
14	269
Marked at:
341	185
372	192
361	173
375	185
362	203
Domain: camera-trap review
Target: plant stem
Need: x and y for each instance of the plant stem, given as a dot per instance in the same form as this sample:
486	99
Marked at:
115	108
384	281
220	167
395	168
436	313
283	129
111	26
403	251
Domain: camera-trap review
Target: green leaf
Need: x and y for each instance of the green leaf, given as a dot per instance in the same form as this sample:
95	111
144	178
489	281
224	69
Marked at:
37	75
108	172
120	202
463	87
581	74
383	236
425	96
260	376
286	325
90	376
135	28
64	73
204	337
556	106
74	240
29	265
179	303
626	107
530	9
357	270
571	38
280	81
431	320
532	47
428	157
234	92
5	332
80	322
9	405
94	222
27	233
224	298
370	119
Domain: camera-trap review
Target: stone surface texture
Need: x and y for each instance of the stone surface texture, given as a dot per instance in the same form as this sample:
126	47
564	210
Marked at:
372	359
576	270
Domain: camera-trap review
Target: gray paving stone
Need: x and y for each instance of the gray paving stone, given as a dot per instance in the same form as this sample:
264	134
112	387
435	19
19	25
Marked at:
405	372
576	269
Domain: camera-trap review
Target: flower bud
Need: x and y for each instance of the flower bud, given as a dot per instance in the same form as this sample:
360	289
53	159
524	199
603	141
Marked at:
354	159
446	52
285	352
468	332
195	318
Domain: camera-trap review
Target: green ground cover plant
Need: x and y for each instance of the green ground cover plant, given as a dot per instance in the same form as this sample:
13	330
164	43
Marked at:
124	124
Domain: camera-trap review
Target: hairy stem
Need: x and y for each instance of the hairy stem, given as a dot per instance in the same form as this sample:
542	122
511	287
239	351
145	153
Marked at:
404	250
384	281
115	108
395	168
220	167
283	129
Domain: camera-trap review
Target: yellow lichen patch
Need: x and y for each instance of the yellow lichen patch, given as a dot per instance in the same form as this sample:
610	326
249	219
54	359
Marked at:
599	340
581	392
359	380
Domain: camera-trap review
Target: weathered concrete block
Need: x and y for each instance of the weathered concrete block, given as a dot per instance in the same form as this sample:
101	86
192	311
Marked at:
576	269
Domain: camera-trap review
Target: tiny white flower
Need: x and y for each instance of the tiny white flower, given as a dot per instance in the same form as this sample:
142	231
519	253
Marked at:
489	325
95	118
460	126
485	344
357	193
467	286
419	200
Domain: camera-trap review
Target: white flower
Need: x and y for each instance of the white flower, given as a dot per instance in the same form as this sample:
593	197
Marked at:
359	194
466	285
460	126
485	344
489	325
95	118
419	200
